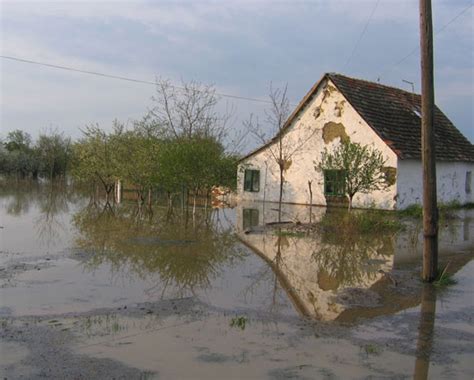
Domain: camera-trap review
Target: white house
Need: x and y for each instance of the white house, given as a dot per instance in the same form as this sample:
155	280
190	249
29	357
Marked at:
385	118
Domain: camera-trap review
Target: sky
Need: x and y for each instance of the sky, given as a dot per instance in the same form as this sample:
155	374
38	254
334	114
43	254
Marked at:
240	47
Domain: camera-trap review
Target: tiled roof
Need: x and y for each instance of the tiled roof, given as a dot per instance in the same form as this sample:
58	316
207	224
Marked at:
394	115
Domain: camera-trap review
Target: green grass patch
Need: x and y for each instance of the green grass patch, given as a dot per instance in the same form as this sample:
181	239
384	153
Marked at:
371	349
239	322
413	211
362	222
287	233
444	279
445	209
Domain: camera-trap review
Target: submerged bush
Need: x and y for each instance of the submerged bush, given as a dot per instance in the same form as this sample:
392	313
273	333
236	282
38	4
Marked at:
445	209
415	211
239	322
361	222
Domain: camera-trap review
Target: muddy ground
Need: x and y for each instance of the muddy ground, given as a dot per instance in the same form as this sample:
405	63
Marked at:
186	338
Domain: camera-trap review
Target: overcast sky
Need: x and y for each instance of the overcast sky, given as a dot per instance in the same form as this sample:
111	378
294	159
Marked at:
239	46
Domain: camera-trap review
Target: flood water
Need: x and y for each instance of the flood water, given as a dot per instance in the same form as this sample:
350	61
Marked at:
88	291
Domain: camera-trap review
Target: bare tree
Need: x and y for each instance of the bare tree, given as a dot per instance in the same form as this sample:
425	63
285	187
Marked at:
188	111
279	148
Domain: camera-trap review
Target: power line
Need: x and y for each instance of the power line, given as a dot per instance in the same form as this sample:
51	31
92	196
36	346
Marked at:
69	68
361	35
440	30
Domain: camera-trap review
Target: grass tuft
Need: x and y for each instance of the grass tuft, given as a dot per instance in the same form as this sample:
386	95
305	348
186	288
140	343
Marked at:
413	211
239	322
371	349
444	279
363	222
289	233
445	209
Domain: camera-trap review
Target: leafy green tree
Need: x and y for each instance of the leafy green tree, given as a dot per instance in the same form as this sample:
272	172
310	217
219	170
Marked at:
18	157
225	170
195	164
138	160
361	166
96	157
18	140
53	151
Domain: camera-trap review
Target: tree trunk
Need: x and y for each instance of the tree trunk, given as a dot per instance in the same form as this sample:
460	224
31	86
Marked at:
108	189
96	193
310	202
264	192
280	199
194	203
149	197
349	208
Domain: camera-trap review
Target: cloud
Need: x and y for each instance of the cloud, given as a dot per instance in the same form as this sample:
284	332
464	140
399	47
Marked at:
241	46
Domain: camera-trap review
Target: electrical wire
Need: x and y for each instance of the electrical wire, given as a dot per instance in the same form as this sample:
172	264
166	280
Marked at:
69	68
437	32
361	35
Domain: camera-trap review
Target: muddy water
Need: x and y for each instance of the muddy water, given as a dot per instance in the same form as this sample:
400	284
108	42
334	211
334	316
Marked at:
123	292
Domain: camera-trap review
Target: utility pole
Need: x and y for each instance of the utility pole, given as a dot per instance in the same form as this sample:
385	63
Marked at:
430	207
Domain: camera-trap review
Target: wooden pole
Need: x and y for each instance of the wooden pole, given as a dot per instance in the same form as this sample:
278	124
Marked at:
430	210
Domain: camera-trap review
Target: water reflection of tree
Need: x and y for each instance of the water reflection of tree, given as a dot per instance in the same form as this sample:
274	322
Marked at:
20	196
271	276
159	245
52	202
351	260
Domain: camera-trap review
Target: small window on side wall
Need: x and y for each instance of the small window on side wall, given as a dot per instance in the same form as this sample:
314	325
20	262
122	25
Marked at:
334	182
252	180
468	182
250	218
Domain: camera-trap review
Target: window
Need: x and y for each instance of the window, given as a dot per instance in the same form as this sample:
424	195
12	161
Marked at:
250	218
390	175
468	182
252	180
334	182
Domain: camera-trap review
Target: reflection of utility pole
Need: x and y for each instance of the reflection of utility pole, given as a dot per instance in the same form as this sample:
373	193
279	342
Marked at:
425	333
430	210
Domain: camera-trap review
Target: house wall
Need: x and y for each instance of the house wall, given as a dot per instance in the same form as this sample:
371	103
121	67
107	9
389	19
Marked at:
319	125
450	179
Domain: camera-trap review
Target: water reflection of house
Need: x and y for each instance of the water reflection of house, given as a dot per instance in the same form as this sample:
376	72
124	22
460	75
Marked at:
331	277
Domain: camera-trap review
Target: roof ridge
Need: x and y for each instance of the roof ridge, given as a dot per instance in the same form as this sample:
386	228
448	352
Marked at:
373	83
394	115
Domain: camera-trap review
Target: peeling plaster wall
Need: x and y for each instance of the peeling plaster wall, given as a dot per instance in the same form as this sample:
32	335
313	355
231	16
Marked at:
450	179
328	105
